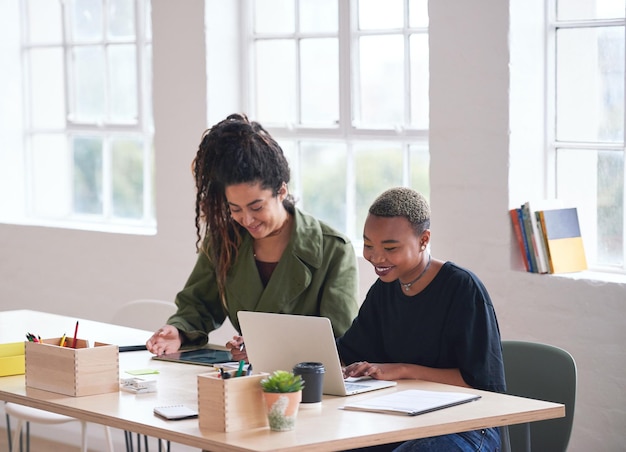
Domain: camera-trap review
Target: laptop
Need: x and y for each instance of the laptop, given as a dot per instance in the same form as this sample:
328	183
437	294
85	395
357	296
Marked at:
280	341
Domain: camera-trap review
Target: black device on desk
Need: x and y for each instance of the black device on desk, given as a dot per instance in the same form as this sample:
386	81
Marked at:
203	356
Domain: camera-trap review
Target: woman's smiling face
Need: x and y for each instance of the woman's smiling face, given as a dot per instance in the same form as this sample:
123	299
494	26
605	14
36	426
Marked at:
391	245
256	209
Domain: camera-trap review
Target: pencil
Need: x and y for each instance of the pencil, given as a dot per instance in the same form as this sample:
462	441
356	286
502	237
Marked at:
75	335
62	342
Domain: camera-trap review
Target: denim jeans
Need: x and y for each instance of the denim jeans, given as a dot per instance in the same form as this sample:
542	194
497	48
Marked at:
487	440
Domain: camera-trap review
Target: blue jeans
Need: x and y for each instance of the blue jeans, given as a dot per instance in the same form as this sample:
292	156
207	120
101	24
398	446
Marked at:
487	440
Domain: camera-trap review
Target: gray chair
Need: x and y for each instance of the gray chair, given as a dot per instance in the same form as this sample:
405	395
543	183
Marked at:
543	372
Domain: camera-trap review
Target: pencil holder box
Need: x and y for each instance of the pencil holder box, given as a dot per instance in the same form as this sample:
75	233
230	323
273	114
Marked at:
232	404
11	359
71	371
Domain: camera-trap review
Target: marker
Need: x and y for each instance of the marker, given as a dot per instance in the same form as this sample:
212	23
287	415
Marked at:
240	369
75	335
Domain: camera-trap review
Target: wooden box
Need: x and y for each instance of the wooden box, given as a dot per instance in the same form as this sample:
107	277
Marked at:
11	359
76	371
232	404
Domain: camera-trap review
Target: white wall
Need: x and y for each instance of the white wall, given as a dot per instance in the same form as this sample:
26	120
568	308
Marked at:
475	145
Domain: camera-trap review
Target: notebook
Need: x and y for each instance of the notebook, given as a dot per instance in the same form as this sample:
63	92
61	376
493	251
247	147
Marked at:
280	341
412	402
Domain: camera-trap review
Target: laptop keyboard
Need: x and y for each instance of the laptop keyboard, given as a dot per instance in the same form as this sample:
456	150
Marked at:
354	386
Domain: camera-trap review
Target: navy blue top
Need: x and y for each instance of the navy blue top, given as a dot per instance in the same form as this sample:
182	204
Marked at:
449	324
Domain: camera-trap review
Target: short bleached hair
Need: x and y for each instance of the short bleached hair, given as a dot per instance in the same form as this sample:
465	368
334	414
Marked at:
403	202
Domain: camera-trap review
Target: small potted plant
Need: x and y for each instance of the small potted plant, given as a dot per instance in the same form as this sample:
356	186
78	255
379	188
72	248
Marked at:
283	392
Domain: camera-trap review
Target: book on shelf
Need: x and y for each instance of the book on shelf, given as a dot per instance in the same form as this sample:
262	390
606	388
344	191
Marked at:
538	243
518	230
530	240
566	251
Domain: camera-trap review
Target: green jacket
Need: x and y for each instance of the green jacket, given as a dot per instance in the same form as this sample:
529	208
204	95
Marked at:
316	275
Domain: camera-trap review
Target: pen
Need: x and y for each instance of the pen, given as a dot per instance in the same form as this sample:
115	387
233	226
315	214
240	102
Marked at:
62	342
75	335
28	336
240	369
242	346
249	370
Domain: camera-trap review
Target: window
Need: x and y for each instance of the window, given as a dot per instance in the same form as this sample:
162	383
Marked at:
343	87
586	146
85	154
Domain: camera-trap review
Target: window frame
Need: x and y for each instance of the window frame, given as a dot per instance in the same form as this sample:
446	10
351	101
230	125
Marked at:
347	132
553	145
106	130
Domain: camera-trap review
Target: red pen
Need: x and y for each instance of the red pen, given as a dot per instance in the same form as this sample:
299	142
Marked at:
75	335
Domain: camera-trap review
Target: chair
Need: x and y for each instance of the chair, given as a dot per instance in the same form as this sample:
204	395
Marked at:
25	415
543	372
144	314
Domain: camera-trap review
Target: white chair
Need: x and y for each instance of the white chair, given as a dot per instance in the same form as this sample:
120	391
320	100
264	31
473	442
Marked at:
144	314
25	415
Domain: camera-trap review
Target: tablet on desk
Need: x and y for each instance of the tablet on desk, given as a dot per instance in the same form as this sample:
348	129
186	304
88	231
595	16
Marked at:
203	356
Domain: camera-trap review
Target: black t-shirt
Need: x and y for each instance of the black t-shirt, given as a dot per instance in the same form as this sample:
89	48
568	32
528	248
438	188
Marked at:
449	324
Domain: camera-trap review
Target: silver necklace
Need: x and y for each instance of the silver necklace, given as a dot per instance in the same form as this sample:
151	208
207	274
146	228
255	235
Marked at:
407	286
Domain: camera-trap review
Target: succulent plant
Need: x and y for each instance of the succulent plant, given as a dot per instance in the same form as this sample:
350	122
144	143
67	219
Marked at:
282	381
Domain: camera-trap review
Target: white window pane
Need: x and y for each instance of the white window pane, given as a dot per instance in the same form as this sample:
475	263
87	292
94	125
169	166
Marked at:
381	75
593	181
418	13
88	163
47	88
590	9
121	19
320	81
89	84
274	16
324	181
377	14
85	20
275	82
420	109
128	183
123	83
592	58
420	169
318	16
44	21
378	166
50	176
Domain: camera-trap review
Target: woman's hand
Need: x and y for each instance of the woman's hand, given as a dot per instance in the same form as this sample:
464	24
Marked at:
391	371
165	340
237	348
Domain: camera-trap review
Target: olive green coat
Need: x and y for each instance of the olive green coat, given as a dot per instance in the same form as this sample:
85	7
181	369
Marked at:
316	275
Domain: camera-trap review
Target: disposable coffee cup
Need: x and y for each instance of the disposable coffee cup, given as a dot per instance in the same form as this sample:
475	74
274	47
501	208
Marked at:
313	375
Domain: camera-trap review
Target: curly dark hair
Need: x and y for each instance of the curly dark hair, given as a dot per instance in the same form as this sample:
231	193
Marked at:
234	151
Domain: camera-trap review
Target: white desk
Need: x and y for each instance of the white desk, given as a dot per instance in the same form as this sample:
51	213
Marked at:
324	429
